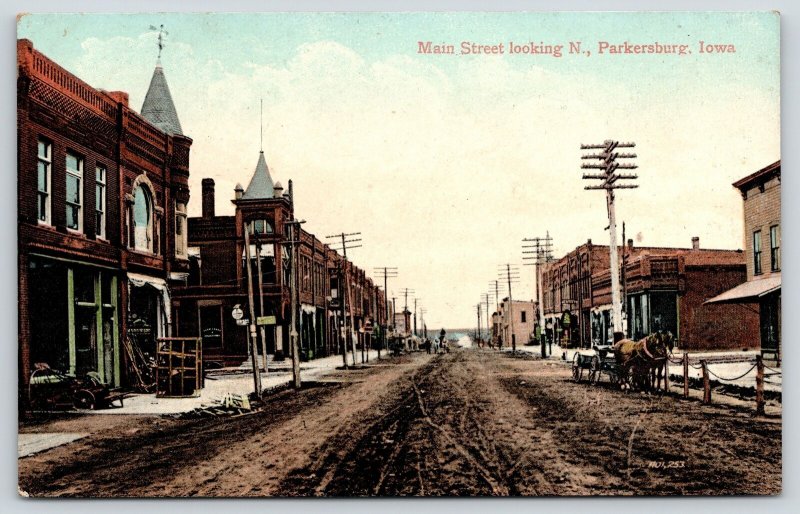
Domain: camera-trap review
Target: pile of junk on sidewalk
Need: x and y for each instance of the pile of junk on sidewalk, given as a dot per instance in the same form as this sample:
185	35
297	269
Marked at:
175	370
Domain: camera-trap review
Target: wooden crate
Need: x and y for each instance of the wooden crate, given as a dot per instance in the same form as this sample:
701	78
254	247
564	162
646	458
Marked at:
179	367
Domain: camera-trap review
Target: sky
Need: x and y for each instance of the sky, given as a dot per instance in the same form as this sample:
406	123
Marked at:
445	163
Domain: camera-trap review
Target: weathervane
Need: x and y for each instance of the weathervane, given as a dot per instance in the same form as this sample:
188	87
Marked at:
161	34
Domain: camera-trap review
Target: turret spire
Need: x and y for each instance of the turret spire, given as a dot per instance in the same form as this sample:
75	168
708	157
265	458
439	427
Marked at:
158	107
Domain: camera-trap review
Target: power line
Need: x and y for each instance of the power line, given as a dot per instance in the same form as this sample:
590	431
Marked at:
512	277
346	334
386	272
610	178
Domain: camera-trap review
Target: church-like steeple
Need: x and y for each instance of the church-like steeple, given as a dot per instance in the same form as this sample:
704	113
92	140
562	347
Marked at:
158	108
261	185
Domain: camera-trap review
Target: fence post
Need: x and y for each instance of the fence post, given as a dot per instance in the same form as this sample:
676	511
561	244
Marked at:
759	385
706	383
685	375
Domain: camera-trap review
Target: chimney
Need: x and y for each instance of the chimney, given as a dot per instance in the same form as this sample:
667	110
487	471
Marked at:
119	96
208	197
238	192
695	243
630	243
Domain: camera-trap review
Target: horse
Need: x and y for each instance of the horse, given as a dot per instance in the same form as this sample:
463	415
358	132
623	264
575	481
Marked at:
658	369
643	358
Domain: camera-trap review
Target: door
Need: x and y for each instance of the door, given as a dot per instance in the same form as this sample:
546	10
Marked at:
211	326
85	340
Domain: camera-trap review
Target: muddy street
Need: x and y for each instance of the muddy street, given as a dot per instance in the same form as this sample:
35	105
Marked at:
471	422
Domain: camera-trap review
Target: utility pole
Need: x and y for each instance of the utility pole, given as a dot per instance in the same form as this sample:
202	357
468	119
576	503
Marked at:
394	310
348	336
251	327
387	273
415	317
485	300
542	250
294	235
495	285
608	165
624	276
479	334
262	329
511	275
406	292
423	330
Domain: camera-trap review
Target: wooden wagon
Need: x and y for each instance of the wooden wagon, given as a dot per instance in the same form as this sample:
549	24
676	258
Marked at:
596	362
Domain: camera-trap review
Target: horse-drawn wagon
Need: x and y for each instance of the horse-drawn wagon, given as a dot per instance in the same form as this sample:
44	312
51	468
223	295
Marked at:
596	362
639	364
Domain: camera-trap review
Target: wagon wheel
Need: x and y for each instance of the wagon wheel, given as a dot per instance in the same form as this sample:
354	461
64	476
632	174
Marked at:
84	400
595	370
577	369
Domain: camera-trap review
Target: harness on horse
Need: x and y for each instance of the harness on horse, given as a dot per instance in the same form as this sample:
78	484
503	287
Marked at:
644	347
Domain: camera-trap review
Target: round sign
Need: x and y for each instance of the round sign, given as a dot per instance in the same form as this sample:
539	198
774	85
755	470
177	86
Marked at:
237	312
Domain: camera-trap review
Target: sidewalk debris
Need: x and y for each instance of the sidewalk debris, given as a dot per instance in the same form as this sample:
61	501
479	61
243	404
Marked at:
229	405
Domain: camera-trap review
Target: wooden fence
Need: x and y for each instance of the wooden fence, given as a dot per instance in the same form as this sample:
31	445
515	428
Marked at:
703	362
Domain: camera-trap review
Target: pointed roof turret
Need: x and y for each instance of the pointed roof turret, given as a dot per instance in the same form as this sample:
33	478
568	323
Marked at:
261	185
158	108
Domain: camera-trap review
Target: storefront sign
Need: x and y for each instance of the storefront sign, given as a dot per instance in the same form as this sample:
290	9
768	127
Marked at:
243	322
265	320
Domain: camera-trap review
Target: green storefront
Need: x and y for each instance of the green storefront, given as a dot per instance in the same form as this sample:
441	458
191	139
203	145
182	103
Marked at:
74	318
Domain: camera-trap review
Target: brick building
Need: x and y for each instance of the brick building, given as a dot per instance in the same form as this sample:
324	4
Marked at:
761	196
663	289
219	279
97	252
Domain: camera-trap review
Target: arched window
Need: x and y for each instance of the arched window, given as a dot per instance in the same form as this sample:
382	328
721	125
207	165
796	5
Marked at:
142	220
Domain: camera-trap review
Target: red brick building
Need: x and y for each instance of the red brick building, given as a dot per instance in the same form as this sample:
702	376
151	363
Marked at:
219	279
102	194
663	289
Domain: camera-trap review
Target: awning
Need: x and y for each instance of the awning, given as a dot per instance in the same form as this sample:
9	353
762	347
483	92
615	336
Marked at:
750	291
138	280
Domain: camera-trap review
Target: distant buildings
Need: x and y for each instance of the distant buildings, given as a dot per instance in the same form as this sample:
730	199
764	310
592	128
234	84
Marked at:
218	280
761	195
523	322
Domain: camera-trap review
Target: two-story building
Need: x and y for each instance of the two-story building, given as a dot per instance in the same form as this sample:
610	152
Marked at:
219	280
102	195
516	321
662	289
761	197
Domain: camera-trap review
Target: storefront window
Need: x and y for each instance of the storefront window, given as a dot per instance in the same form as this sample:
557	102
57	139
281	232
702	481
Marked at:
74	319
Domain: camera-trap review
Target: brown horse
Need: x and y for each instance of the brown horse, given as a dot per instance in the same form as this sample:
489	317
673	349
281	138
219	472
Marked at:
637	361
658	369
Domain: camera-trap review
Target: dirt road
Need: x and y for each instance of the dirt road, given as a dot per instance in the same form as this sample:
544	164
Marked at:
466	423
